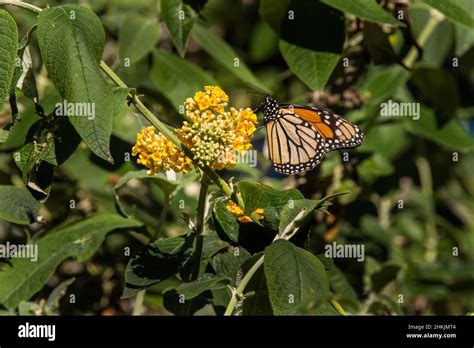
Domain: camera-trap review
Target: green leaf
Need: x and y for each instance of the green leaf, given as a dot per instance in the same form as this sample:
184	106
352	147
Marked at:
257	301
381	83
212	244
156	262
137	37
324	309
438	88
17	205
297	212
452	135
223	53
272	201
176	78
365	9
30	308
28	156
377	276
229	264
179	19
174	303
225	221
206	282
439	44
452	11
464	35
8	52
343	289
387	273
378	46
375	166
273	11
79	239
311	60
23	79
71	40
52	303
313	68
54	142
295	278
169	187
379	140
263	43
37	174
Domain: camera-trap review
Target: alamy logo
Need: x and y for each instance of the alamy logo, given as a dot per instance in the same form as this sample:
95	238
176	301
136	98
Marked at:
346	251
249	157
395	109
37	331
22	251
75	109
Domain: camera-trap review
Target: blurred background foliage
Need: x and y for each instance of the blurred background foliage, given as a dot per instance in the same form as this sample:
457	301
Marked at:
411	184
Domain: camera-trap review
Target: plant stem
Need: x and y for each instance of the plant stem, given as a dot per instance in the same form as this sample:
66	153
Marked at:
337	307
24	5
241	288
139	303
163	214
201	215
435	18
426	181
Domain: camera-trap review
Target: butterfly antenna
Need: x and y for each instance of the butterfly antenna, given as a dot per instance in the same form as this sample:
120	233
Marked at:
252	92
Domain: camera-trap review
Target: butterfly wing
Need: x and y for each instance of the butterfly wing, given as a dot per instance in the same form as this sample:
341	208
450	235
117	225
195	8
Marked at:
337	132
294	145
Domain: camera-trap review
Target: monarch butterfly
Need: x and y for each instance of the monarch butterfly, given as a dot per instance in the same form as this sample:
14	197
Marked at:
299	136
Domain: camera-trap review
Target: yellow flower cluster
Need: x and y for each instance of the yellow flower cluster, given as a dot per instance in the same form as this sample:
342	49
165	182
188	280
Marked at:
157	153
239	213
215	135
213	98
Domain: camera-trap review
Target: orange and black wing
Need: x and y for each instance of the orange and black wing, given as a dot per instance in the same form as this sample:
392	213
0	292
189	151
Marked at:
294	145
337	132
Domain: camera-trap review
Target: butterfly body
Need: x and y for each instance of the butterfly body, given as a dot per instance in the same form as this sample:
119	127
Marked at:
299	136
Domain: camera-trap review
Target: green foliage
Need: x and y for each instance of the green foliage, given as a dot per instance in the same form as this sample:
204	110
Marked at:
451	135
179	18
311	60
137	37
206	282
67	182
71	39
314	68
176	78
295	278
157	262
272	201
23	278
365	9
225	55
8	48
452	11
17	205
225	221
296	213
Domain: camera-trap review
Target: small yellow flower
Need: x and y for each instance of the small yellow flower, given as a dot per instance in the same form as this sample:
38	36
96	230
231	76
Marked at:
259	213
214	136
239	213
157	153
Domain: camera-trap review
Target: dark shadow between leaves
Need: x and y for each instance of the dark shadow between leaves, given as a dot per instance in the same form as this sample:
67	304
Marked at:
314	26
